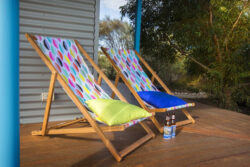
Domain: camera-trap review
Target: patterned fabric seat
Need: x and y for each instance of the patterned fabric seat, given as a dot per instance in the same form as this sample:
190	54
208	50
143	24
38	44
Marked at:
127	62
67	59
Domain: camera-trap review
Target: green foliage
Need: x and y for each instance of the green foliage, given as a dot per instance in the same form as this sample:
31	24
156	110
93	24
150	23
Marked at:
213	36
106	66
115	34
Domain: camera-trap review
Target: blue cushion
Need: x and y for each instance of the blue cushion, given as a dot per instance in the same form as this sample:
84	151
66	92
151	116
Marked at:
160	99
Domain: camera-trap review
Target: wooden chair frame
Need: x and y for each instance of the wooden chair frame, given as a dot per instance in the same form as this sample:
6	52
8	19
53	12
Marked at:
95	127
138	98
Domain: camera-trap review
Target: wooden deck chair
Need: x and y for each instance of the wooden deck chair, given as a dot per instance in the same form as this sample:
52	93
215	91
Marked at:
64	59
128	68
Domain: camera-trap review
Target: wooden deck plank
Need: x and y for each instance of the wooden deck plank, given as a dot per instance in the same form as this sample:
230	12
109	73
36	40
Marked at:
218	138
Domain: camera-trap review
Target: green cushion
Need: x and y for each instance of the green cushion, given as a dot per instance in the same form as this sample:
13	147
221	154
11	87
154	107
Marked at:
116	112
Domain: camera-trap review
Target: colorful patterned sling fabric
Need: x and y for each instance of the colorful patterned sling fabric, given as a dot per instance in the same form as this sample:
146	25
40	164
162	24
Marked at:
65	56
127	62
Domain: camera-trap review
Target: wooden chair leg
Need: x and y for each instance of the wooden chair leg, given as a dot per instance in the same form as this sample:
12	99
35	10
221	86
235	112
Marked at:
147	129
179	123
80	130
100	133
67	123
190	119
116	83
136	144
48	104
188	115
119	155
99	82
107	143
157	124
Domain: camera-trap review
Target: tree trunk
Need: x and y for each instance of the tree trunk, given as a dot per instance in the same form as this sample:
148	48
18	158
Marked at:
228	101
215	38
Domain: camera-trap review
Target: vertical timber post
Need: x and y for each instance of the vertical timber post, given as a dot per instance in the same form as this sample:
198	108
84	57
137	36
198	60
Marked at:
138	26
9	83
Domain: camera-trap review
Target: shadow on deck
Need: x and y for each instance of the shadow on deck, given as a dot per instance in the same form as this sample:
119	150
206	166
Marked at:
219	138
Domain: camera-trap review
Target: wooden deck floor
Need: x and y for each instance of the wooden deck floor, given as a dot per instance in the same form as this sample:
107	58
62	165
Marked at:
219	138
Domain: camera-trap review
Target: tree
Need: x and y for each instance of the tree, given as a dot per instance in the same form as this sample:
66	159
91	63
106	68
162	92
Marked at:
113	34
212	35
